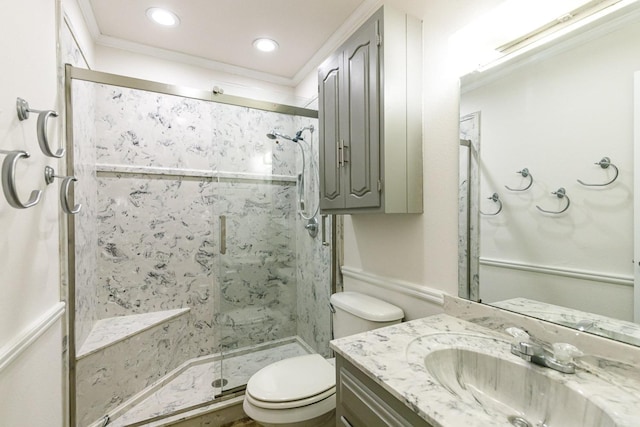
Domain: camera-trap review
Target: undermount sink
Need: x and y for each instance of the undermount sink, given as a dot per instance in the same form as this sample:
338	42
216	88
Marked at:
480	371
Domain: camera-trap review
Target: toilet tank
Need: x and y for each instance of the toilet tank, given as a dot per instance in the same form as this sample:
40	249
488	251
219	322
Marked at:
355	312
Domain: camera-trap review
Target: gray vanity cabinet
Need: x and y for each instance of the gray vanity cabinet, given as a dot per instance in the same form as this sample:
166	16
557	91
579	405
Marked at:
370	113
360	402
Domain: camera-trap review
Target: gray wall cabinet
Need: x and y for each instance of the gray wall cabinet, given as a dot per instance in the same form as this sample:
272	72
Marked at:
370	111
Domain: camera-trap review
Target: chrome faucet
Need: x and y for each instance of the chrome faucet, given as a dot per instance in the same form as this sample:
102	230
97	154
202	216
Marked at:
559	357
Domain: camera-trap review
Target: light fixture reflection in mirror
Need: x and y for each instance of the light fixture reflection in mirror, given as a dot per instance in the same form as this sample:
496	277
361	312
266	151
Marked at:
557	112
516	27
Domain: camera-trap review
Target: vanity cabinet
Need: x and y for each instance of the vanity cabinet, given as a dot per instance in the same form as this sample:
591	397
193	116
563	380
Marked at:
370	115
360	402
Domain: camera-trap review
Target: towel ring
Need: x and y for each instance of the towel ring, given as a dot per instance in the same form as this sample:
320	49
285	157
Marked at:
9	182
49	176
525	174
496	198
560	194
23	110
604	163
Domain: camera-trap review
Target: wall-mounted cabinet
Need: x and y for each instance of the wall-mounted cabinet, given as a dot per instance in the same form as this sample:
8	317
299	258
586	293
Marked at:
370	111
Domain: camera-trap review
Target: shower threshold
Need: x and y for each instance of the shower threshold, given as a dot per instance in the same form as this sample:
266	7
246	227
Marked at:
190	388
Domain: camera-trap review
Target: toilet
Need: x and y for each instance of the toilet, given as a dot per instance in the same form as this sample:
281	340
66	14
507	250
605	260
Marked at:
301	391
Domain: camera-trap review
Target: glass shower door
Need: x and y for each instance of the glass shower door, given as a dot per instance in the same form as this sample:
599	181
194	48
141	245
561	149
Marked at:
255	212
273	278
257	283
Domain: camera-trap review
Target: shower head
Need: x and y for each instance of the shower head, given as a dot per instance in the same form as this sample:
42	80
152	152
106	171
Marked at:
275	135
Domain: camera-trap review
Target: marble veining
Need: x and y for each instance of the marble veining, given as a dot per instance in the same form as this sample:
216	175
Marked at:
499	319
109	331
394	357
107	378
587	322
312	256
163	171
193	386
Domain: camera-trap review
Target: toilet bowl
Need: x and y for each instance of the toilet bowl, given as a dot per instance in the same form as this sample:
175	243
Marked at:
301	391
291	392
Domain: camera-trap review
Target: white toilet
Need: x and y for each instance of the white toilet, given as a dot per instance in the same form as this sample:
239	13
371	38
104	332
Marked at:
301	391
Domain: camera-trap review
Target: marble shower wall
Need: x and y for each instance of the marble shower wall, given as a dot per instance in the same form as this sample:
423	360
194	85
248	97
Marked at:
313	258
169	168
156	244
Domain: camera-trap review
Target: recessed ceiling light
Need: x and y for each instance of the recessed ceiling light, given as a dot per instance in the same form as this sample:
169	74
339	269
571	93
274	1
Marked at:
265	45
163	17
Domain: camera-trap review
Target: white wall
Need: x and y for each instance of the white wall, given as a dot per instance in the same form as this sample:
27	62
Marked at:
31	384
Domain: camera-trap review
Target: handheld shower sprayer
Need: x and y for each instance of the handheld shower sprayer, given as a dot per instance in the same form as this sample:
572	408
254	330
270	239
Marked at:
273	134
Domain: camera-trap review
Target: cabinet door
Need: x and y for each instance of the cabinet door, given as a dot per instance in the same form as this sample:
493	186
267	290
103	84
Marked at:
360	117
331	194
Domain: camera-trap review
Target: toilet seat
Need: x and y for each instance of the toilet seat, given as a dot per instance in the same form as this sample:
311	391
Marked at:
292	383
292	403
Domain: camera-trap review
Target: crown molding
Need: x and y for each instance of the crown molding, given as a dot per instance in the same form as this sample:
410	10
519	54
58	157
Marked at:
356	19
184	58
89	18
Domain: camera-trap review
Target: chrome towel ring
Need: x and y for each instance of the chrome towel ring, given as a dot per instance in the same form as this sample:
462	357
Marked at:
495	198
525	174
23	109
49	176
604	163
9	181
560	194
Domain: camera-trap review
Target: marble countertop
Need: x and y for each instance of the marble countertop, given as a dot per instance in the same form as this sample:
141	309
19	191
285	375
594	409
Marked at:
388	356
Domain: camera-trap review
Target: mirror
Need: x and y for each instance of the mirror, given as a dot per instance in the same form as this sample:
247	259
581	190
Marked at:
552	132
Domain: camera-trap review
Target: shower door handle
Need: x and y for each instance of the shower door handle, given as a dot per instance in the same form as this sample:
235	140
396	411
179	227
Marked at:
223	234
324	231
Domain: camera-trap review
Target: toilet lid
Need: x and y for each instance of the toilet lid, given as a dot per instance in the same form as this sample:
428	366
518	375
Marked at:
292	379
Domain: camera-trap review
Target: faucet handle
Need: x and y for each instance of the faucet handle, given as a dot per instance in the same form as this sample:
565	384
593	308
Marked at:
564	353
522	344
519	335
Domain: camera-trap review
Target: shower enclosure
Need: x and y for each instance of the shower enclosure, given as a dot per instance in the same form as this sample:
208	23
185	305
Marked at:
189	256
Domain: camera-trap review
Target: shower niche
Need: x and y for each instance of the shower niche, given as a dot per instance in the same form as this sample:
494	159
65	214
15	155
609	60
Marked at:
190	264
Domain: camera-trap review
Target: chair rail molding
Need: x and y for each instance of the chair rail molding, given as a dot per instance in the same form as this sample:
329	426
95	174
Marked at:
574	273
12	350
424	293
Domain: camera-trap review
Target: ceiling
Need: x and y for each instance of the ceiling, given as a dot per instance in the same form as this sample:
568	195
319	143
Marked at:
219	34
